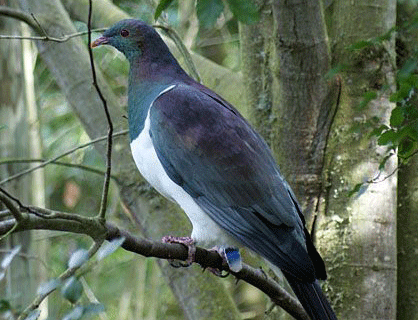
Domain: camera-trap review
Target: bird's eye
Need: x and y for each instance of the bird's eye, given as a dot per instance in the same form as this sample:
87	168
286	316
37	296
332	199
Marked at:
124	33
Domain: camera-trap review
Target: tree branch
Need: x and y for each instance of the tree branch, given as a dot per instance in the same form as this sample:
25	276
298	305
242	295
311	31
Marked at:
49	38
43	164
33	23
5	198
106	182
61	221
22	16
84	167
65	275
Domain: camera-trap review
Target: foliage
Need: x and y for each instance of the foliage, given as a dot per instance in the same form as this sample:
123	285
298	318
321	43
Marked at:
119	275
400	135
208	11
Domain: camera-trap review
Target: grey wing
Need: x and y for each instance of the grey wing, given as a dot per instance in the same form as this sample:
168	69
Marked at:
216	157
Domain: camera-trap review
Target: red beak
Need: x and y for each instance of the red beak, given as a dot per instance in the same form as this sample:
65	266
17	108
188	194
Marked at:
99	42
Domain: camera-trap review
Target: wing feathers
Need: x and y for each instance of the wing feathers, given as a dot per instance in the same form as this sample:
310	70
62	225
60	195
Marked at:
213	153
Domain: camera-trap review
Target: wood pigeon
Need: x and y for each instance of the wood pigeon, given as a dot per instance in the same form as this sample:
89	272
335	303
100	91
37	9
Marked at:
198	151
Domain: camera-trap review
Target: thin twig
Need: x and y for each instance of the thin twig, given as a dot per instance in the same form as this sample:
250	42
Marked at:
183	50
31	20
20	15
53	214
59	163
22	207
43	164
27	257
53	39
4	198
106	181
7	198
39	25
64	276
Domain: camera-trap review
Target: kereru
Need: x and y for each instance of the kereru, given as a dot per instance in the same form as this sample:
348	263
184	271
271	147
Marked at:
197	150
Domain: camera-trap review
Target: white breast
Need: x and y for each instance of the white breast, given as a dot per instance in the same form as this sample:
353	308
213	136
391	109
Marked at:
205	230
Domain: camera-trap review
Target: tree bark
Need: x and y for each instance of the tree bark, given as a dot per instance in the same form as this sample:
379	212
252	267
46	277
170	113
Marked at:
293	106
407	223
14	142
358	233
285	59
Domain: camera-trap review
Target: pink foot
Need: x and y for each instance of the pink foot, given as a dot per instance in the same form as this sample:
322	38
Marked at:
188	243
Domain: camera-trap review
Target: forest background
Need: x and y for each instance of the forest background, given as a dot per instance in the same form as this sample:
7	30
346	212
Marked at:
331	85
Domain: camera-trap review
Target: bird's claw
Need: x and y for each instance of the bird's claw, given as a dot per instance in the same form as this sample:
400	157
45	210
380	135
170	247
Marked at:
191	248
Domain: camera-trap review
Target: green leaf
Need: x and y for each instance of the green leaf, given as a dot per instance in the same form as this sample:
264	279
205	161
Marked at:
403	93
208	11
33	315
47	287
75	314
356	189
78	258
397	117
244	10
7	260
72	289
378	131
384	160
387	137
406	147
164	4
109	248
5	305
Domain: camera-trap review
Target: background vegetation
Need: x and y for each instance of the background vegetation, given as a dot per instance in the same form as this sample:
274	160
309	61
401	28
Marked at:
331	85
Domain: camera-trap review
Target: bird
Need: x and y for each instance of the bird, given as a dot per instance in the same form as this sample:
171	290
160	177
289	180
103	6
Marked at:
197	150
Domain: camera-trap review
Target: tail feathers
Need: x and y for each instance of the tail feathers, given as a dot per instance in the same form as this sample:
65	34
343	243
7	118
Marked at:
312	299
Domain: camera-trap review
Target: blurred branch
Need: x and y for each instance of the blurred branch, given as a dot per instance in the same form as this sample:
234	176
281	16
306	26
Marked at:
49	38
33	23
7	201
61	221
22	16
65	275
28	256
182	49
60	163
43	164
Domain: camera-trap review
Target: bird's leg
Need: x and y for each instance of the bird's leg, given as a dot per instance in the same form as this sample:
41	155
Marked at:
231	257
188	243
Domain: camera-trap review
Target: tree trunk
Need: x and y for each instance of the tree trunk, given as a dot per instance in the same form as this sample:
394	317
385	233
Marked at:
285	59
201	296
407	223
358	233
14	143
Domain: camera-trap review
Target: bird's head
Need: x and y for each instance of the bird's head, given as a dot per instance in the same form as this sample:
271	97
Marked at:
134	38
